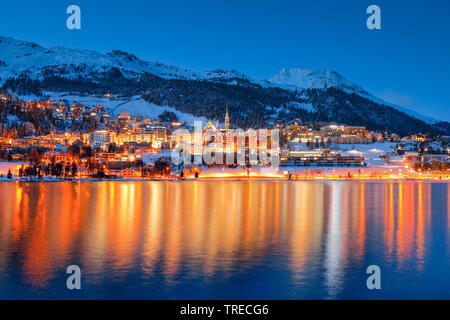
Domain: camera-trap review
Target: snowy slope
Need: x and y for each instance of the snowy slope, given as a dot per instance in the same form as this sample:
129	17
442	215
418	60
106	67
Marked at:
297	78
134	105
150	110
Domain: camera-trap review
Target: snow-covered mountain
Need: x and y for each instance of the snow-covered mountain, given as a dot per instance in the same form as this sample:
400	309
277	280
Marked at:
294	78
19	58
297	78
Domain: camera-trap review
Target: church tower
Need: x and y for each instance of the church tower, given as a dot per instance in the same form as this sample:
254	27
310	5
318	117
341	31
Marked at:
227	120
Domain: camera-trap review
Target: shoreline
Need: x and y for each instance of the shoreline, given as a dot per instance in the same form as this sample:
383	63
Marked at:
271	179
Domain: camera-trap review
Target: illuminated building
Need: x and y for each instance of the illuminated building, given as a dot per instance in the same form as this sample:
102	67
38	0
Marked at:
101	137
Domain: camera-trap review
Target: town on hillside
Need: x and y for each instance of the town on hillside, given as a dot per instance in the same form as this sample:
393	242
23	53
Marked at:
57	139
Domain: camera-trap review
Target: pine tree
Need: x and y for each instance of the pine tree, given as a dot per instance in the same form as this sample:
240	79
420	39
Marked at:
74	169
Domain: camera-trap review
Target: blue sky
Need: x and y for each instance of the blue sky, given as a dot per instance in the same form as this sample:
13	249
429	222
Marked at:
406	62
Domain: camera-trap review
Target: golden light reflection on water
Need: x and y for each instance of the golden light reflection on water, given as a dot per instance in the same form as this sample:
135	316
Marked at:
212	227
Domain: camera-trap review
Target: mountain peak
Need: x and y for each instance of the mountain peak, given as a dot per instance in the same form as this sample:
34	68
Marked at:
299	78
123	55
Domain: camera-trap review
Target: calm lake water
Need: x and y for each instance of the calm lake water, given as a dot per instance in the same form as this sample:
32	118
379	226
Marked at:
225	240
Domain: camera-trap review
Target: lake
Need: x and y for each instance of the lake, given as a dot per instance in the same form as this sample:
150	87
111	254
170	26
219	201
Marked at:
225	239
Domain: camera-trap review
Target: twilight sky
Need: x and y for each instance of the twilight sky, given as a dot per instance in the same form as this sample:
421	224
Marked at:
406	62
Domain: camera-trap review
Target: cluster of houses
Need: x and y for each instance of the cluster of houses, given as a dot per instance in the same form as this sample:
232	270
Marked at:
425	153
115	145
